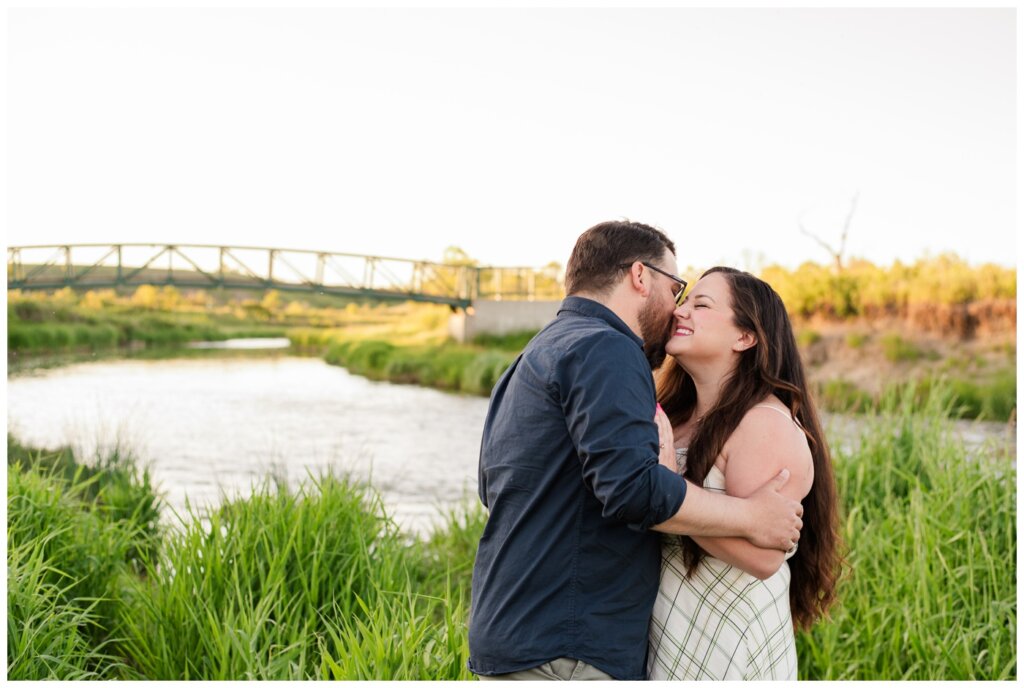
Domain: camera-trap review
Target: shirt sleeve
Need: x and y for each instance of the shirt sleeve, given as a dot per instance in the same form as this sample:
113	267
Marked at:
607	395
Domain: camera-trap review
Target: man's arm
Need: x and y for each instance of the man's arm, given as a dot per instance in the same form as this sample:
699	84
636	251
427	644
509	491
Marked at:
763	444
607	395
766	518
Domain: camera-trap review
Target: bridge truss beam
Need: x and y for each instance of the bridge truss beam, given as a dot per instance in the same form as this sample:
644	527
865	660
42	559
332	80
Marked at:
88	266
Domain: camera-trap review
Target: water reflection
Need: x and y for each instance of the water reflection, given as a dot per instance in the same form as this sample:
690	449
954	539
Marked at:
207	425
254	343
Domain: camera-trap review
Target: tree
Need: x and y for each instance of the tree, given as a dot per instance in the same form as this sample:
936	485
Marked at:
837	254
453	255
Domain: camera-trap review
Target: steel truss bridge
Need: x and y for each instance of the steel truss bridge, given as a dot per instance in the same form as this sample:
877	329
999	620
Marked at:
197	266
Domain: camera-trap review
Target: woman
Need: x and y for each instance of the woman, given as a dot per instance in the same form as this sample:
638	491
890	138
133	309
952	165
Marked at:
733	388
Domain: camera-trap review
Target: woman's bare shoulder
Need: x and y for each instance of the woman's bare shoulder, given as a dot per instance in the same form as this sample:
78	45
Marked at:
766	441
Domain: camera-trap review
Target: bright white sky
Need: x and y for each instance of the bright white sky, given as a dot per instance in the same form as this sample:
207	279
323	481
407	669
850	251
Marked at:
507	132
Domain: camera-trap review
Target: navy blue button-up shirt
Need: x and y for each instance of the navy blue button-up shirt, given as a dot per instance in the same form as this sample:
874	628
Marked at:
569	472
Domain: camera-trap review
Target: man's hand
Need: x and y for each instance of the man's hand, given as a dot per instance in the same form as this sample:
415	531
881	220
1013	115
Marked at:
765	518
776	520
666	450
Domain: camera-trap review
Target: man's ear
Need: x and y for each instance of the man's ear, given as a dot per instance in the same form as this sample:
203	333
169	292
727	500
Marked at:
639	283
745	341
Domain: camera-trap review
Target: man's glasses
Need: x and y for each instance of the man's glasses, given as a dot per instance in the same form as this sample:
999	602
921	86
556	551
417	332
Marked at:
679	280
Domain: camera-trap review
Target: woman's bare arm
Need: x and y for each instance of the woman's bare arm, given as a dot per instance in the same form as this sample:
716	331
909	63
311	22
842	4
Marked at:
764	443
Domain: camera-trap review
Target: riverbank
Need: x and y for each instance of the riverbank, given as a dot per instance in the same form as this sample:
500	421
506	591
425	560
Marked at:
70	324
851	361
848	373
317	582
472	369
67	321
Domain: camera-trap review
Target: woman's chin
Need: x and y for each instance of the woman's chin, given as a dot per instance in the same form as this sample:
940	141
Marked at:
676	347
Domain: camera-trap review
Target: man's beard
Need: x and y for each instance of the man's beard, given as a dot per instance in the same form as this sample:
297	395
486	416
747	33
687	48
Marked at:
655	330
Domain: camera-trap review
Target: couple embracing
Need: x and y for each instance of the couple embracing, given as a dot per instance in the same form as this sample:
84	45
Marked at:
648	526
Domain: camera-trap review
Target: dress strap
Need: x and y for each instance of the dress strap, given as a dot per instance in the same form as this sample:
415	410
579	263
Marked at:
778	410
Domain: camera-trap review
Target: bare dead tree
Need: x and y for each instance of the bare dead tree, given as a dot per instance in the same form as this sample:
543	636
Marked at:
837	254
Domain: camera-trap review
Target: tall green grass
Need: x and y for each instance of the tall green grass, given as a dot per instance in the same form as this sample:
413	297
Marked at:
318	582
446	366
69	555
314	583
991	399
932	543
514	341
48	637
896	349
57	324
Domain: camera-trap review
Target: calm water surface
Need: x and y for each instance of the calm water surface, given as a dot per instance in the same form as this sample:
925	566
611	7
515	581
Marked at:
209	425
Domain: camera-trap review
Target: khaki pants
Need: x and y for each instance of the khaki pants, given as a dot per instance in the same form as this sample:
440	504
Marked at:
561	669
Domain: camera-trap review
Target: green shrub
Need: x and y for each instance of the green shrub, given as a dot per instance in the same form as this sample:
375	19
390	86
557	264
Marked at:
842	396
28	311
368	356
404	365
446	366
897	349
60	336
514	341
992	400
21	337
484	370
309	338
856	340
807	337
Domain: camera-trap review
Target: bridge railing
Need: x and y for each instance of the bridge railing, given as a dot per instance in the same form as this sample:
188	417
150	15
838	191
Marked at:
84	266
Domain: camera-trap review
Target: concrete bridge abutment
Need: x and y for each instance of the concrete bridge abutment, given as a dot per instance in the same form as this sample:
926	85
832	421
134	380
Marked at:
500	318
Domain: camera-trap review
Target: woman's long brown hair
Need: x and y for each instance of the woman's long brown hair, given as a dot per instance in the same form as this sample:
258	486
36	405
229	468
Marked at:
772	366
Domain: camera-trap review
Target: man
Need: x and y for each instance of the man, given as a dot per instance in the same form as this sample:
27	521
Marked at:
567	569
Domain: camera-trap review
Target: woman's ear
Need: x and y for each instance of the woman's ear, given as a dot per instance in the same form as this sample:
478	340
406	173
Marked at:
745	341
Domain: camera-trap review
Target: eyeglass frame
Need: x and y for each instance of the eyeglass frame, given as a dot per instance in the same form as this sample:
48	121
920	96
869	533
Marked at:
679	295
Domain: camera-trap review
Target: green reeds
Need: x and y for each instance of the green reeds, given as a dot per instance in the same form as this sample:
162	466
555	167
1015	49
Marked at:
52	326
67	562
318	583
447	366
48	638
994	399
931	533
286	585
398	637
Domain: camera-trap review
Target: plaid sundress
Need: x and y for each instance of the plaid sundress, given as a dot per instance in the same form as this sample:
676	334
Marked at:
722	623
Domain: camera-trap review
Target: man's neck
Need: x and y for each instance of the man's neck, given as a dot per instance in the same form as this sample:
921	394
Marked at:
618	304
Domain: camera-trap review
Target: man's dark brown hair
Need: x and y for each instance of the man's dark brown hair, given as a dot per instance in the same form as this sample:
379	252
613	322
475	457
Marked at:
597	259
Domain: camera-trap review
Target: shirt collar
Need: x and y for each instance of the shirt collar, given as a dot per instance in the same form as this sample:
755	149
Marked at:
592	309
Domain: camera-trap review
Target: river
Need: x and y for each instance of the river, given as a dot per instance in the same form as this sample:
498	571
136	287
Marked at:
204	425
209	425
